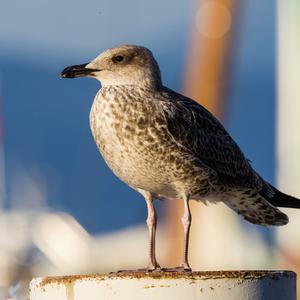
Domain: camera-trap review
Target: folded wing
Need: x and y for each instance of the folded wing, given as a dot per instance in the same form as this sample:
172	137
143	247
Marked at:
197	130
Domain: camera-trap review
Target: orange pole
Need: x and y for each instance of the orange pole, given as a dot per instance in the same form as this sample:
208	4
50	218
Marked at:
207	80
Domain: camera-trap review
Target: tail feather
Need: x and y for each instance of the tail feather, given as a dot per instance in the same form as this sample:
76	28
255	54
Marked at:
283	200
255	208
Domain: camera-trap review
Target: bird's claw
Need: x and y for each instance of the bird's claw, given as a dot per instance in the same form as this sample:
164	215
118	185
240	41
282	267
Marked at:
150	269
182	268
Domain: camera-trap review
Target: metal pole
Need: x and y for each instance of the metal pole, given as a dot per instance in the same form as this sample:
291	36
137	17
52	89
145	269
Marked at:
218	285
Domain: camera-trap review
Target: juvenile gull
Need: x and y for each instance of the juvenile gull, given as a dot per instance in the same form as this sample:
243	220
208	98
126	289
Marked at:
165	145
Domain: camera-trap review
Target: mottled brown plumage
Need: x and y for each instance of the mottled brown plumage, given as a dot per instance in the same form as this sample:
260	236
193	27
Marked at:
165	145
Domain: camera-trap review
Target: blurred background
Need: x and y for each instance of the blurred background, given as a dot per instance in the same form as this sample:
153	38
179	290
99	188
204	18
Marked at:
62	211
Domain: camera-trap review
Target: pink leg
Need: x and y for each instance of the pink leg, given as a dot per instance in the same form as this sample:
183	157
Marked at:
186	222
151	222
153	266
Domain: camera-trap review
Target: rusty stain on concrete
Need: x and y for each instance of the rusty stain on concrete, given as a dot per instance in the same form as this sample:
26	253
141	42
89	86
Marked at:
164	285
205	275
70	290
151	286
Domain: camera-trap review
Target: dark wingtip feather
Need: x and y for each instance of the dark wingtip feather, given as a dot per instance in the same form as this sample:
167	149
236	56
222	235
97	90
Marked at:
283	200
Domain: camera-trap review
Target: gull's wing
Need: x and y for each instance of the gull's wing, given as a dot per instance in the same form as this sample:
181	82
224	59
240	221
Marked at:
196	129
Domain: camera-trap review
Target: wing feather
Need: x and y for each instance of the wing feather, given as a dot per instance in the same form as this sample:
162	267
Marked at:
196	129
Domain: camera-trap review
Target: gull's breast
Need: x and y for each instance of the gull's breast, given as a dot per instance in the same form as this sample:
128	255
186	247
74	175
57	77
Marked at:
130	144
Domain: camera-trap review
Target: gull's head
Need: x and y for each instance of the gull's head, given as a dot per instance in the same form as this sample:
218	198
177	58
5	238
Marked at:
126	64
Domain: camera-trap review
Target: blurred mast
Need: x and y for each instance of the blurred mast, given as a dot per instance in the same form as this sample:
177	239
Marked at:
288	126
2	162
210	55
207	80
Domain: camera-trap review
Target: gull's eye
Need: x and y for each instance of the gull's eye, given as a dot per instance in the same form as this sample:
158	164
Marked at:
118	58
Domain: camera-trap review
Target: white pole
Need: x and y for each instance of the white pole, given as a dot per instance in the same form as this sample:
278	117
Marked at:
288	107
219	285
288	125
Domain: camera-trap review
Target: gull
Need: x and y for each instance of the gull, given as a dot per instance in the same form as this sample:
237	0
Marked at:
165	145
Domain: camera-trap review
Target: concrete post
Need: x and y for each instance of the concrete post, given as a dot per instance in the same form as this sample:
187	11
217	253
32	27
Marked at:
219	285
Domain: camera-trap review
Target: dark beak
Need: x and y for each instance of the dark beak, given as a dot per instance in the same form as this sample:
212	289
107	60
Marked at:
77	71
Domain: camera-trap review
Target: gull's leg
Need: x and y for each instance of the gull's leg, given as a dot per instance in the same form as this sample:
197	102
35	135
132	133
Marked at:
186	222
151	223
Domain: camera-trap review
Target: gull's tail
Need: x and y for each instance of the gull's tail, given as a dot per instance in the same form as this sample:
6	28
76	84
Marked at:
261	207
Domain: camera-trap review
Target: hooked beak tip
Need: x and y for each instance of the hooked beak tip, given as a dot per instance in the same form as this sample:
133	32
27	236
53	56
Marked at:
62	75
77	71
